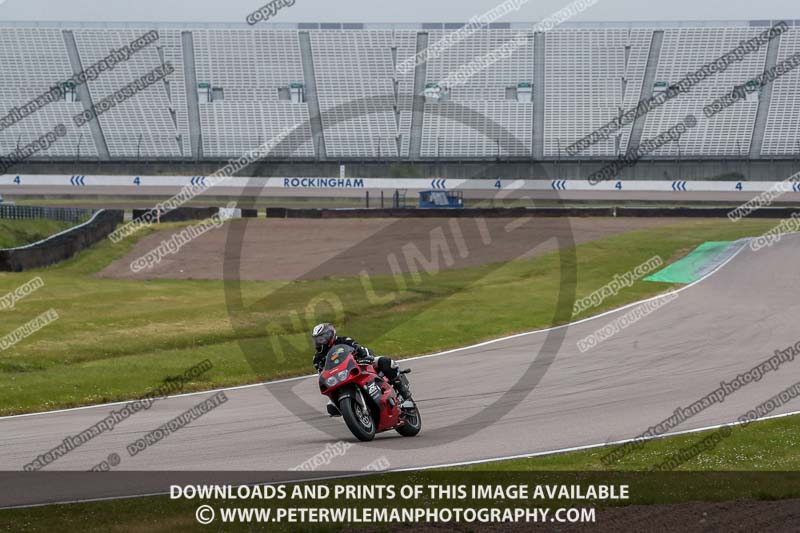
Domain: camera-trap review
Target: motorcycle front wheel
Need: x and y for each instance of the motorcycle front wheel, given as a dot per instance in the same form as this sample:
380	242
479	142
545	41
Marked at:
360	423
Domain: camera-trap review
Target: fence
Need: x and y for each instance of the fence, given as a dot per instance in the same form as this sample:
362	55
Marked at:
63	214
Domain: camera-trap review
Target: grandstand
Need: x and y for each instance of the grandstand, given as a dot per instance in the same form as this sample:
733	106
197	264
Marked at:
359	67
782	135
456	128
728	133
235	87
33	60
154	123
250	67
591	74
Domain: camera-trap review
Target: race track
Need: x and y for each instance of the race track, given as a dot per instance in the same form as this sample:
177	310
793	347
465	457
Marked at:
714	330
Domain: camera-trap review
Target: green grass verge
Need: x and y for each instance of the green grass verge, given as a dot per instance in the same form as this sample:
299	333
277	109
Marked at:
21	232
751	451
118	339
768	445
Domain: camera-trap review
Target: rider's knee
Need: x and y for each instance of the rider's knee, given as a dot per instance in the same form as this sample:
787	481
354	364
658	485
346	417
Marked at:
387	366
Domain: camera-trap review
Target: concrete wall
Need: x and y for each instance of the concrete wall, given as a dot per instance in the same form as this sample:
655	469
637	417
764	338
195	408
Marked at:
761	170
181	214
62	245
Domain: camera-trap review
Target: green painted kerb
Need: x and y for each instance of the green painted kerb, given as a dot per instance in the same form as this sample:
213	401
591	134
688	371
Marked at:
697	264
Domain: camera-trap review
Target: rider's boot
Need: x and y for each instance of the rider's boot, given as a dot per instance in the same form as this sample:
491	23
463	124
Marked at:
332	409
403	390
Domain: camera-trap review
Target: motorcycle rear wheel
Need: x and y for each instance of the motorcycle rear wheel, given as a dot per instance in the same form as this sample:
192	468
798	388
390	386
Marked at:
413	424
360	424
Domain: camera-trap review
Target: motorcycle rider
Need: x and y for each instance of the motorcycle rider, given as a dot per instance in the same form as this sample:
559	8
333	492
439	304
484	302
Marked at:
324	337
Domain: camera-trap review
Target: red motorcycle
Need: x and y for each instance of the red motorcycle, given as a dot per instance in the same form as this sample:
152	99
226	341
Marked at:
366	400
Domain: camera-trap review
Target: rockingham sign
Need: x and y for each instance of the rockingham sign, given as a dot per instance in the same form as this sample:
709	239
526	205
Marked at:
323	183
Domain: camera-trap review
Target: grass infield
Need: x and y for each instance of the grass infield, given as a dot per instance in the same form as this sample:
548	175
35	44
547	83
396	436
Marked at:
15	233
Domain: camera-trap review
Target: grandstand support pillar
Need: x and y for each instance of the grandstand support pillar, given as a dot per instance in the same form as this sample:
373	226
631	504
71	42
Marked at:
647	88
84	95
418	104
310	81
537	135
764	98
192	101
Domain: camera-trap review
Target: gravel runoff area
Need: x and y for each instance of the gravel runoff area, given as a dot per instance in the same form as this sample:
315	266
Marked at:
287	249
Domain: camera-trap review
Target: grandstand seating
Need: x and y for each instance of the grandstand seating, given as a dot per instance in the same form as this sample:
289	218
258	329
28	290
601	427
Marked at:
726	134
238	126
590	73
473	128
251	67
33	60
154	123
782	134
477	120
365	102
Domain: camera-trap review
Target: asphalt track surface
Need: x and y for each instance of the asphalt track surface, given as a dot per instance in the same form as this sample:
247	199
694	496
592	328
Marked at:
715	329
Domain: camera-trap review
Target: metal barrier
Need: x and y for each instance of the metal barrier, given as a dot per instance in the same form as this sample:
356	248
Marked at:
62	214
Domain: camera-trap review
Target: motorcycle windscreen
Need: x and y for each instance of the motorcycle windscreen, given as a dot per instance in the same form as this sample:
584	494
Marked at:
337	355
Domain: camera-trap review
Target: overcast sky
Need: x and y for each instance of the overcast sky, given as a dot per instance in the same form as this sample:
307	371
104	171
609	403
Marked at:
387	10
